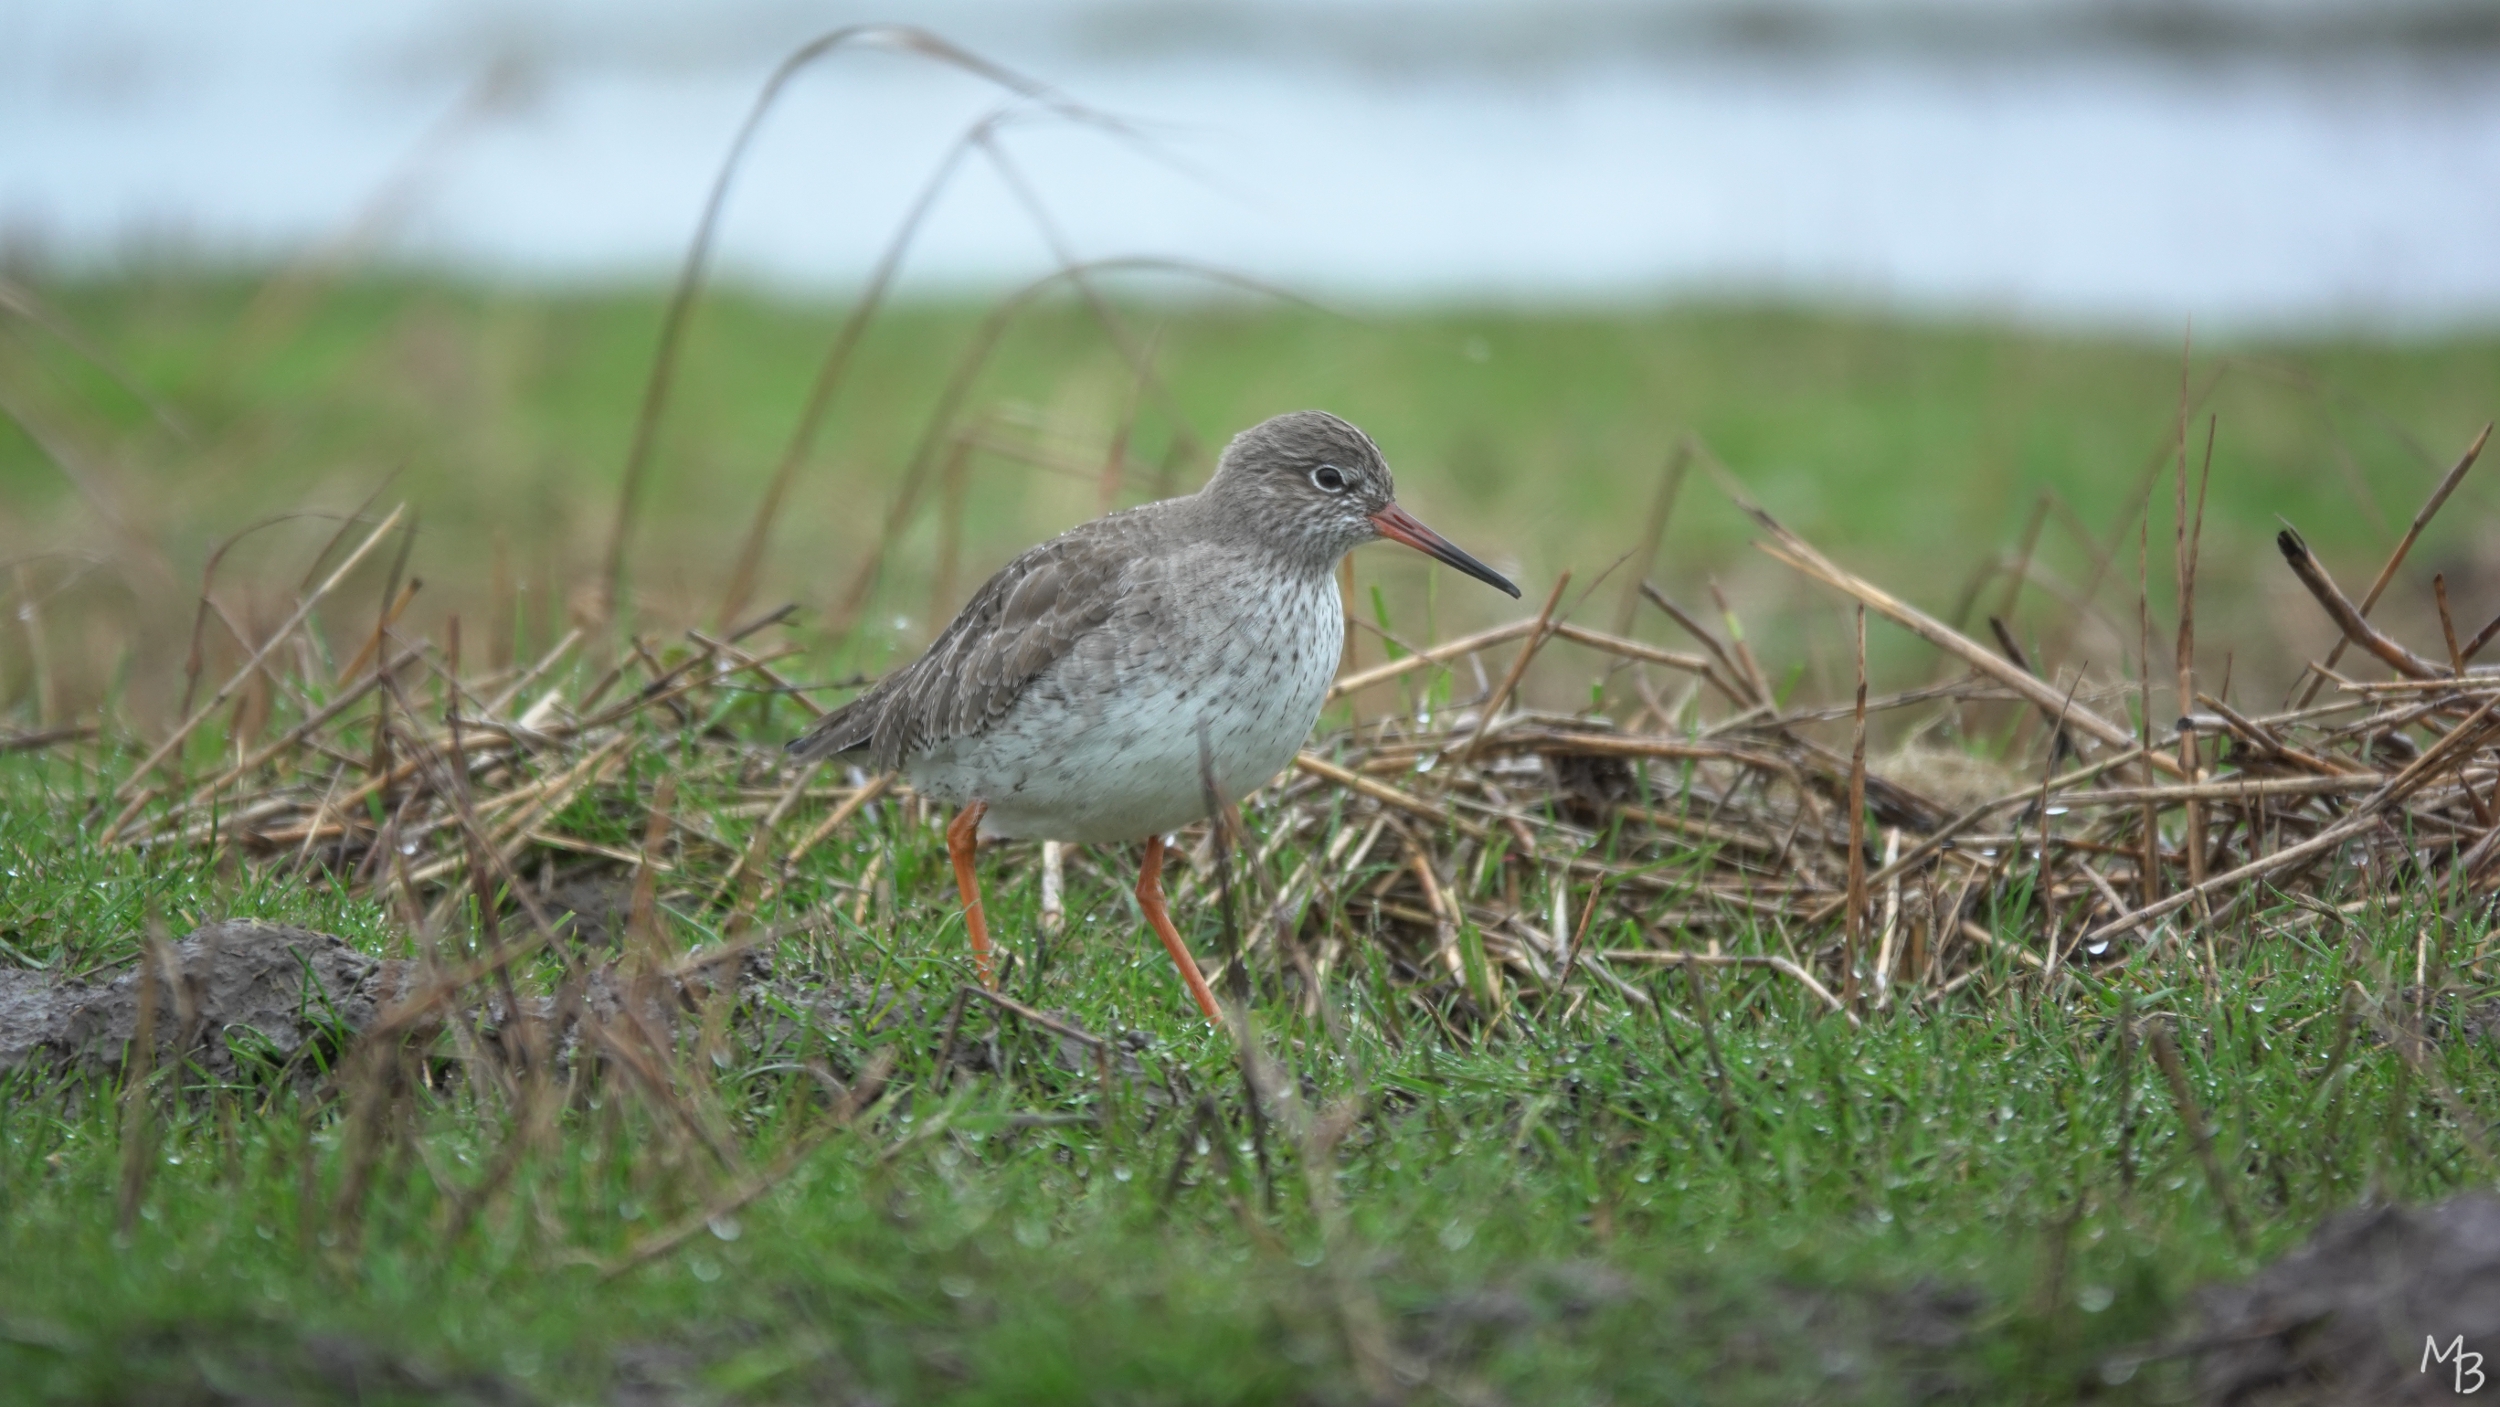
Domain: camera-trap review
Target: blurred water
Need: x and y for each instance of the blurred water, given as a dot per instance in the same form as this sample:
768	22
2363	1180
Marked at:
2289	164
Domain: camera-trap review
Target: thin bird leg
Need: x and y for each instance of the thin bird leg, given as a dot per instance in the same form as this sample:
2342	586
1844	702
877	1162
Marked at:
1150	899
963	834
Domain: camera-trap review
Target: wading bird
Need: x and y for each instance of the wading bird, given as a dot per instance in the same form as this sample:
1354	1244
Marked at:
1073	697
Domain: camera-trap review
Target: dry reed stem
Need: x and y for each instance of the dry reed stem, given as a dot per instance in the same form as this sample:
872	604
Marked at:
251	666
2447	624
852	805
1518	669
2188	538
1628	649
382	627
2200	1132
1054	888
2018	574
1042	1019
2481	638
2347	618
1795	551
751	860
1774	961
1412	805
1438	654
907	39
2362	818
1855	928
1740	691
832	370
293	737
42	738
646	945
537	671
1749	667
2413	532
159	968
1654	531
1892	920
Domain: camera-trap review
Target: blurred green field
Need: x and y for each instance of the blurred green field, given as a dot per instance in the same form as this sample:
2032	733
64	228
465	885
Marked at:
1918	452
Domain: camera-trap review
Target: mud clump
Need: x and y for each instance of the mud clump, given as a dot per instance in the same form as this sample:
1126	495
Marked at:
2354	1316
240	993
250	1000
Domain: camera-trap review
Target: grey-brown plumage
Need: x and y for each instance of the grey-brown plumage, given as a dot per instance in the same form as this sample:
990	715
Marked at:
1020	621
1072	697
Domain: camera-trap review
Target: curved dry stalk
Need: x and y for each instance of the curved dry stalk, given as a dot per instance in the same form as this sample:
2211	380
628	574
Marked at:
135	783
909	39
1786	546
2421	519
2339	608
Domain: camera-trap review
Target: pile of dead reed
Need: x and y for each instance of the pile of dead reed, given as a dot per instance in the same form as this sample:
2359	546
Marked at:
1498	853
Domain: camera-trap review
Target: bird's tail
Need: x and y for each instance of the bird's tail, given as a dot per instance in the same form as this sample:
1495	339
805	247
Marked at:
846	729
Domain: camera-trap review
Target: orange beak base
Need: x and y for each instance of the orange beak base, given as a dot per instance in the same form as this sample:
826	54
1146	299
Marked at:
1398	525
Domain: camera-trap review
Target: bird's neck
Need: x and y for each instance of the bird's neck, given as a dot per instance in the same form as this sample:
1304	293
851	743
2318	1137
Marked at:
1214	516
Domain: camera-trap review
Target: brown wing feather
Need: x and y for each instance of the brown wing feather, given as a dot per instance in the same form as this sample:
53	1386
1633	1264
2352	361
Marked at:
1032	612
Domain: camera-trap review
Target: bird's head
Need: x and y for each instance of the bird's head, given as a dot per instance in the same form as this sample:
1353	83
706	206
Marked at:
1318	488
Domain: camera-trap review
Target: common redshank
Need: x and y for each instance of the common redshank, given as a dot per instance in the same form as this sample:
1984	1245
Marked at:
1070	698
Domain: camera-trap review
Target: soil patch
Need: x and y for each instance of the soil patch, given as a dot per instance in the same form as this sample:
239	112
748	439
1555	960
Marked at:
248	997
2346	1318
240	992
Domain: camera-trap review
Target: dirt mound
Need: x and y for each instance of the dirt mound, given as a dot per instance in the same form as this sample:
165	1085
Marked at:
261	997
246	991
2347	1318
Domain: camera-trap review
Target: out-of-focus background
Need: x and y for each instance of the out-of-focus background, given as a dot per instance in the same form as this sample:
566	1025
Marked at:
1933	279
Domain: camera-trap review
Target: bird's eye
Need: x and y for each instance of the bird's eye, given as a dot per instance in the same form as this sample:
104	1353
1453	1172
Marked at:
1329	478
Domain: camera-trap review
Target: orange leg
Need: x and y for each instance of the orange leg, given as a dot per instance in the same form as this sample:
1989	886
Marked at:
1150	898
963	834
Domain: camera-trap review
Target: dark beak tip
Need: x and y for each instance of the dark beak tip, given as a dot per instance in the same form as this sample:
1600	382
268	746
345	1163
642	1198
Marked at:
1398	525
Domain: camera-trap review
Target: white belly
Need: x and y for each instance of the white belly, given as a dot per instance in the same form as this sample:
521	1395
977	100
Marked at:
1078	758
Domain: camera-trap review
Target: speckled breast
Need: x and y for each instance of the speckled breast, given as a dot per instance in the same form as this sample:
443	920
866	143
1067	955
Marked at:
1104	745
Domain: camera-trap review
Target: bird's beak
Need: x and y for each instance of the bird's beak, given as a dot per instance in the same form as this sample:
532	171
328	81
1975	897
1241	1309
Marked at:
1399	525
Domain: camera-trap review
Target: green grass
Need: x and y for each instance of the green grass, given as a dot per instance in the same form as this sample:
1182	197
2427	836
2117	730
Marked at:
1964	1201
